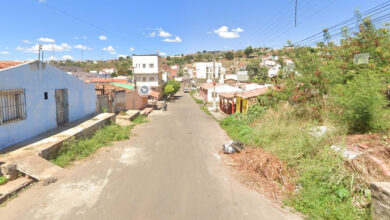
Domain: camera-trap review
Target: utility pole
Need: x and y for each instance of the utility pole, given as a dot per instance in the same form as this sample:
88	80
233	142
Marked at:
39	51
214	93
296	8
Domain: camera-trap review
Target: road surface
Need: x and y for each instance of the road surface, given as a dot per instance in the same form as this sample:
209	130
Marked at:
169	169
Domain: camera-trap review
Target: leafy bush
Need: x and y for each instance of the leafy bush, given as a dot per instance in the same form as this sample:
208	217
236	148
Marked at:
361	104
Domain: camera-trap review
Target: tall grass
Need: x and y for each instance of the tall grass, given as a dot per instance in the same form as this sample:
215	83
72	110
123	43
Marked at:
73	149
326	189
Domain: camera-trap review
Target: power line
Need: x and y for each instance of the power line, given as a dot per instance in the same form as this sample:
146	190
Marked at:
348	21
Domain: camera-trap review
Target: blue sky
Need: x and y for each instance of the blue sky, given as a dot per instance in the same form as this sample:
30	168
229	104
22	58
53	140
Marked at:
110	28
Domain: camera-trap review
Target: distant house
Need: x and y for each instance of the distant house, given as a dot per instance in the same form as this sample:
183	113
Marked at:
70	69
108	70
208	93
36	97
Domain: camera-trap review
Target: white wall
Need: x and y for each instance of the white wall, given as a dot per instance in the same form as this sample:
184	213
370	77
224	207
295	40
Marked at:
201	69
138	62
220	89
41	114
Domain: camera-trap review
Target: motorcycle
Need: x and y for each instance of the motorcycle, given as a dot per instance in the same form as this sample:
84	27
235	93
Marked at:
165	106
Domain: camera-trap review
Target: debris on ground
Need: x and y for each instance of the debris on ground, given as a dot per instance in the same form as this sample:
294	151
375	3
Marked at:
233	146
373	162
262	171
49	180
318	131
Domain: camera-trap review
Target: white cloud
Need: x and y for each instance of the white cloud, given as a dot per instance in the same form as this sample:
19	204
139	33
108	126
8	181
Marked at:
4	52
131	49
162	54
110	49
67	57
76	38
46	47
46	40
102	37
153	34
85	37
163	33
225	33
175	40
82	47
42	1
26	41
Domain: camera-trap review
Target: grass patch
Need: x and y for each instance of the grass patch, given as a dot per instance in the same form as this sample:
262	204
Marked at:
73	149
205	110
326	188
3	180
198	101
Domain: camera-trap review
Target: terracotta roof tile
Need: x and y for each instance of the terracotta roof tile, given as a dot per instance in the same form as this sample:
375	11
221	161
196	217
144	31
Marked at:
6	64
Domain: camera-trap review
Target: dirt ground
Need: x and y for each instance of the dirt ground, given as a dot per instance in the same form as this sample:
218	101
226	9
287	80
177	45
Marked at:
262	172
374	163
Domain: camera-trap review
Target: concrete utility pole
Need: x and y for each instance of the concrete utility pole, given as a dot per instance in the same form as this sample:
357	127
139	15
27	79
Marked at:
39	51
214	94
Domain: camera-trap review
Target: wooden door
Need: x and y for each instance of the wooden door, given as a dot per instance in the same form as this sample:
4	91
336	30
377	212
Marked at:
62	107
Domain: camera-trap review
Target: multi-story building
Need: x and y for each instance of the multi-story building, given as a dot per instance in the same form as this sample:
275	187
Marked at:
148	71
208	71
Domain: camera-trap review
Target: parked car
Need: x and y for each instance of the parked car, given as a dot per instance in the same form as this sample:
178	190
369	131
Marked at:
186	90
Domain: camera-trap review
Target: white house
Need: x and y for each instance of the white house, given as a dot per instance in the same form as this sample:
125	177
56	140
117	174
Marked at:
207	90
148	71
273	71
36	97
108	70
242	76
209	70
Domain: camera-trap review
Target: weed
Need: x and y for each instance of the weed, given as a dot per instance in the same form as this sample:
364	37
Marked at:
3	180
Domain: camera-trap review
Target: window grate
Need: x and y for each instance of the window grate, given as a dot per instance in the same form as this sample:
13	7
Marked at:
12	105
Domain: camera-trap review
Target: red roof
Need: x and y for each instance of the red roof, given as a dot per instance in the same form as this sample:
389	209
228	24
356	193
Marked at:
173	72
102	80
6	64
254	93
154	94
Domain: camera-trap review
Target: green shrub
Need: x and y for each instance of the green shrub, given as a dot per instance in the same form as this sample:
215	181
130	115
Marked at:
361	104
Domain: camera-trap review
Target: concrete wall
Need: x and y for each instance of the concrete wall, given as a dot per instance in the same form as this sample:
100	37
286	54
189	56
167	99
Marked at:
119	101
37	78
380	198
138	62
102	102
204	69
135	101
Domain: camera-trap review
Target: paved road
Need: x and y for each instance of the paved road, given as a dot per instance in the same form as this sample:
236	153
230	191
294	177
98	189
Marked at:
169	169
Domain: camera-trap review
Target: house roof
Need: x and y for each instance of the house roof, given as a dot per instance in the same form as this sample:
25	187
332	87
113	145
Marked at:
101	80
7	64
125	86
207	86
173	72
154	94
253	93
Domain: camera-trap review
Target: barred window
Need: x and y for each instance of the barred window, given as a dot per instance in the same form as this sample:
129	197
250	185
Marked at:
12	105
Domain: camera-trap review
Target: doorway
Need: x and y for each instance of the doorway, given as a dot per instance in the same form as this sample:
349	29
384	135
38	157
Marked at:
62	106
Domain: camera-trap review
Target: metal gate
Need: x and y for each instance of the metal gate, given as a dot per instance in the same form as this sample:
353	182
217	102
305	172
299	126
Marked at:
62	106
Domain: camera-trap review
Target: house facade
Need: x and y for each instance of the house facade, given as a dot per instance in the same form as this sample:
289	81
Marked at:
148	71
36	97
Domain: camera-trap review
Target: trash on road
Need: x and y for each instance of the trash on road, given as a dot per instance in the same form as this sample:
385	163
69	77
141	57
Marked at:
233	146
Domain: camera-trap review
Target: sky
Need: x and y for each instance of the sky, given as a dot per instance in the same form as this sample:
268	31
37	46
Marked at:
106	29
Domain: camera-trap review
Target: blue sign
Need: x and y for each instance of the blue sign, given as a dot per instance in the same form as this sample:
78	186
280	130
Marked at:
144	90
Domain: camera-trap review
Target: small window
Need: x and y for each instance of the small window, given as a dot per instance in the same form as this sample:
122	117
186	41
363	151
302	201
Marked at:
151	78
12	105
46	96
144	79
144	65
151	65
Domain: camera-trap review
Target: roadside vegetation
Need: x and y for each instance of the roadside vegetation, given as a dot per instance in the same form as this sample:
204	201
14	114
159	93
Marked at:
332	90
77	149
3	180
171	88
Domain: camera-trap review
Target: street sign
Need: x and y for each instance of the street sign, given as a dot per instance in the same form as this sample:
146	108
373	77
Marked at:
143	90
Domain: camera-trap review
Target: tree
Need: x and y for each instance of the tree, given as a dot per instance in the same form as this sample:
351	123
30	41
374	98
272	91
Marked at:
229	55
256	72
171	88
248	51
239	53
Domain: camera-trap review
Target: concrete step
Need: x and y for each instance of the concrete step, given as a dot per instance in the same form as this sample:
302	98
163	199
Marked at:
36	167
13	186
